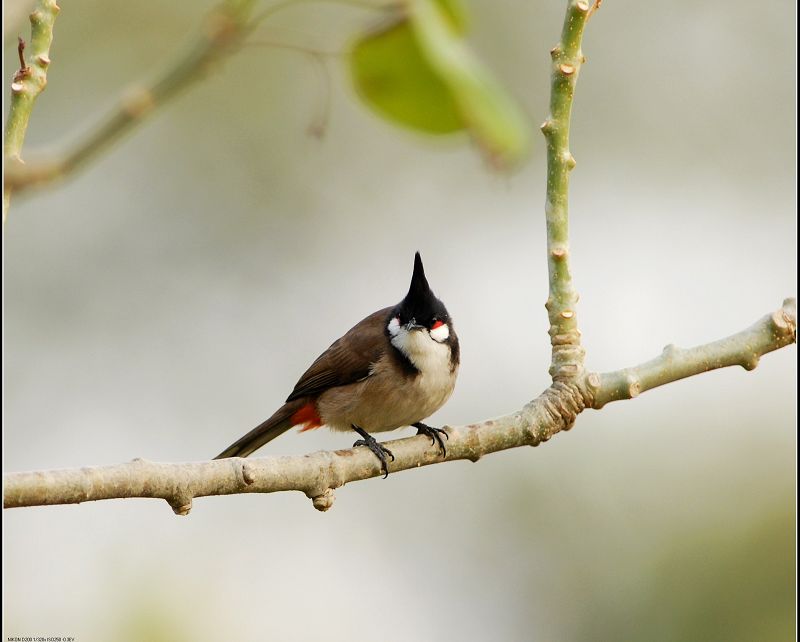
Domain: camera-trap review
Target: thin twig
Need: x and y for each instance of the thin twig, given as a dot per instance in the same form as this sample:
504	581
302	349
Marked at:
743	349
23	68
29	81
319	123
226	27
357	4
290	46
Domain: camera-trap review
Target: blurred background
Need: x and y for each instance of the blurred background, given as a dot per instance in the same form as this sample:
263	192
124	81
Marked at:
166	300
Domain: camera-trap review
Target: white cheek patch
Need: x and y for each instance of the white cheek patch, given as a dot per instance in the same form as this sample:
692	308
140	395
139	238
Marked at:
394	327
441	333
401	339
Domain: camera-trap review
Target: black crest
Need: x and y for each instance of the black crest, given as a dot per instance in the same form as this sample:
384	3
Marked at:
420	304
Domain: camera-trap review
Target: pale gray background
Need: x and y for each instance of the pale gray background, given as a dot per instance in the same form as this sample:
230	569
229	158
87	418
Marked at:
166	300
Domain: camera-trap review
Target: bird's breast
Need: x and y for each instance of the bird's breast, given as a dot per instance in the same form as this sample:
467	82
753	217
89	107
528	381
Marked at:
391	397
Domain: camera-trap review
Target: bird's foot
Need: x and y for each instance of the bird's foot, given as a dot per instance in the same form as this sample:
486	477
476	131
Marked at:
434	433
380	451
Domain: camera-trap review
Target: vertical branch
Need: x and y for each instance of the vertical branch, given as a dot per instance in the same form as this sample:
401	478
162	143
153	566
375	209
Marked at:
567	354
29	81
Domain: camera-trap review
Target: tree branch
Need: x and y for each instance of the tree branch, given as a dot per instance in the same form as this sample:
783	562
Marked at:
29	81
224	28
567	354
744	349
319	474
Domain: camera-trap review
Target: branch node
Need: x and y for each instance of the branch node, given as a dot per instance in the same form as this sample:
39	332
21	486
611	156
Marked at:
750	363
324	501
565	339
474	448
568	370
182	510
43	60
563	401
555	51
634	386
745	349
582	6
566	69
137	102
181	504
785	319
670	350
247	473
243	471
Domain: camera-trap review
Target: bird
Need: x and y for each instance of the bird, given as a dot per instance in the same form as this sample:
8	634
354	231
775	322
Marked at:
394	368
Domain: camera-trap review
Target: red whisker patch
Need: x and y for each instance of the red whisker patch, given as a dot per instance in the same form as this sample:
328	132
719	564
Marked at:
308	416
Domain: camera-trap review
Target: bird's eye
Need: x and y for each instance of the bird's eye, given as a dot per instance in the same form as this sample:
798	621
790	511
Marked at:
438	323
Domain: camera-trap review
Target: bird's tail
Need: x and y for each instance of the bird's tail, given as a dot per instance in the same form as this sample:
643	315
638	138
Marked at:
284	418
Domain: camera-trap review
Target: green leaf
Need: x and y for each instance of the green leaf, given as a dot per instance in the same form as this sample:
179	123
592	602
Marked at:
417	71
393	77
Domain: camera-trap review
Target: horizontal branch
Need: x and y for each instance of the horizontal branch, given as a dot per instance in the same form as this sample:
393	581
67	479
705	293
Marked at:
744	349
317	474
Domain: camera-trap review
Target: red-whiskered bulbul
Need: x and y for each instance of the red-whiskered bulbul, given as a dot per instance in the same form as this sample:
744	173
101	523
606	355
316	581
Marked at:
392	369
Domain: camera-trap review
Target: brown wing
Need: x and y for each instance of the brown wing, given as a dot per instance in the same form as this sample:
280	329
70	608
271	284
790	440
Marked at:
348	359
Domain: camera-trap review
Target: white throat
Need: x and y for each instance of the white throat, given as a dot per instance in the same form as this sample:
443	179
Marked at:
425	349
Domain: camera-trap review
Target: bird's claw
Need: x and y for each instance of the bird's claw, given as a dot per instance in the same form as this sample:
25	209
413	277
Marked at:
435	435
379	450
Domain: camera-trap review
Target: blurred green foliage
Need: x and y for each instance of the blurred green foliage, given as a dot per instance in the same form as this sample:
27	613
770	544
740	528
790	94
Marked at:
725	585
416	70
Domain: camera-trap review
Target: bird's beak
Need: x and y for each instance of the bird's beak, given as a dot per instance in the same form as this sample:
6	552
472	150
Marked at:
413	325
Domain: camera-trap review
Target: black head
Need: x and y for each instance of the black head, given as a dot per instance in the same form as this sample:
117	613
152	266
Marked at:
420	306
